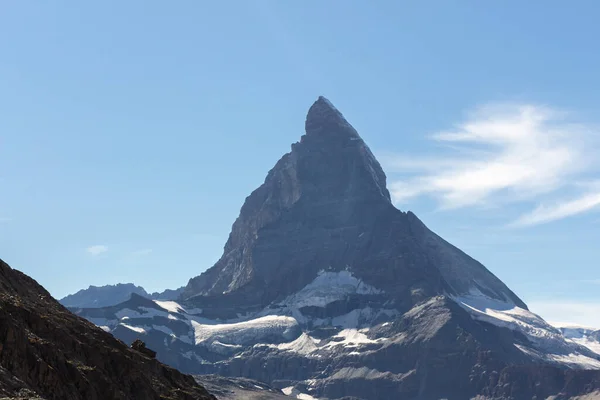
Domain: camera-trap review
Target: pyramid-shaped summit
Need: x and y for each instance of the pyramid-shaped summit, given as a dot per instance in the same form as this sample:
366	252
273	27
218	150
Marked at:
325	206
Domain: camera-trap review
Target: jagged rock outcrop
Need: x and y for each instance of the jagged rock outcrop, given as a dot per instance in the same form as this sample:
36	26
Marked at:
140	347
326	289
47	351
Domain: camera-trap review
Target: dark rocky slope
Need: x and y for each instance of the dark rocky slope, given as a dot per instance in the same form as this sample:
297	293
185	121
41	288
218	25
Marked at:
45	349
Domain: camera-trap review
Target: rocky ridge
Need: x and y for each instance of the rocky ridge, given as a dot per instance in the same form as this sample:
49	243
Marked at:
48	352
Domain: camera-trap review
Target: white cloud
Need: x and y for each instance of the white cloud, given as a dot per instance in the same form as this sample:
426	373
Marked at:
504	154
97	249
564	209
581	313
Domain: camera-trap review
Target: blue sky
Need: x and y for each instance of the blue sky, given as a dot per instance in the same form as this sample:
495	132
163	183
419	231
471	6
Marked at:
132	131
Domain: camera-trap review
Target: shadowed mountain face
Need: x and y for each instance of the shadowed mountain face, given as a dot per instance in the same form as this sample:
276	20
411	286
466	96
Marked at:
325	289
47	351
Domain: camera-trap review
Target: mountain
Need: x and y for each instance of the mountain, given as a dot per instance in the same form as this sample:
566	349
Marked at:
102	296
585	336
47	352
326	290
108	295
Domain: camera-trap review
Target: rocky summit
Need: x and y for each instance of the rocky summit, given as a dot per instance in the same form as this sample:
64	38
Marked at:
46	352
325	290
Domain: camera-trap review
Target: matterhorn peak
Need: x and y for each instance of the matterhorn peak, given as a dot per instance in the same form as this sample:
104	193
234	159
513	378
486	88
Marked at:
324	119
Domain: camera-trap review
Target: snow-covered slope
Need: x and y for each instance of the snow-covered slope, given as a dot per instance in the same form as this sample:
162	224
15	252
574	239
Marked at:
328	287
544	340
582	335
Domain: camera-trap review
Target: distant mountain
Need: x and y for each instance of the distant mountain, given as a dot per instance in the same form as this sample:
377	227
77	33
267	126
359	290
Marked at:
325	289
46	352
103	296
585	336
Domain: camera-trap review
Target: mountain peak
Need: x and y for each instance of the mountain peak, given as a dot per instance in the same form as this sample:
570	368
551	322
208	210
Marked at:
324	118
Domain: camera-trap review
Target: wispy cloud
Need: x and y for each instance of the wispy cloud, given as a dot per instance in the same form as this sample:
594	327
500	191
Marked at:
97	249
543	213
505	154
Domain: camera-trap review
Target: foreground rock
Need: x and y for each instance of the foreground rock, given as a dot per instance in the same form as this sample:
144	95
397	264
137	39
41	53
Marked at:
325	289
47	351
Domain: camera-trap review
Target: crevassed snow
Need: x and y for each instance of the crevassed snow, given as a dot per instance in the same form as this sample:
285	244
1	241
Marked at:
548	342
328	287
170	306
252	331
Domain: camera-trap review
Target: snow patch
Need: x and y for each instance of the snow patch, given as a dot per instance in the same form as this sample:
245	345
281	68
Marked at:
171	306
350	338
548	342
591	344
293	392
134	328
328	287
304	345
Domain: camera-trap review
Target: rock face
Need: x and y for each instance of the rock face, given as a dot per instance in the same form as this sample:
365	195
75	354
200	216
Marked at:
47	351
325	289
140	346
